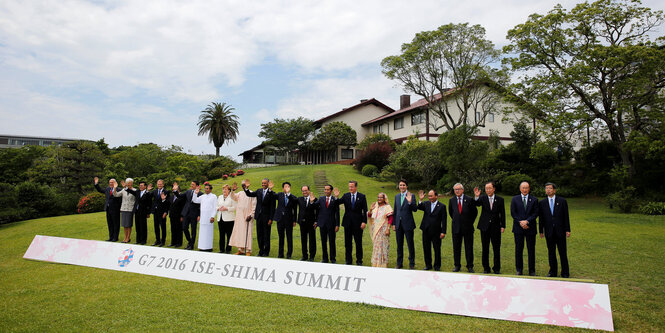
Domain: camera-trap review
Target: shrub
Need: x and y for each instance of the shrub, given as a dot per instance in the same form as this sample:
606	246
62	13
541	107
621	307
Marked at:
216	173
511	184
376	154
240	172
41	200
374	138
91	202
225	177
624	199
653	208
370	170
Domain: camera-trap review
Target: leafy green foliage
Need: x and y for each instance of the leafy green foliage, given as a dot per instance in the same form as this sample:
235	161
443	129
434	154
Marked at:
653	208
417	161
511	184
218	120
91	202
334	134
375	138
370	170
377	154
287	134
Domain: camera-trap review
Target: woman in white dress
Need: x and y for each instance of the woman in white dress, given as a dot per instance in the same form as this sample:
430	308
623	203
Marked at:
226	215
241	237
208	203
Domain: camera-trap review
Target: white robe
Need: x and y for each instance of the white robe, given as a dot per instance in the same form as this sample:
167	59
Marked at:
208	209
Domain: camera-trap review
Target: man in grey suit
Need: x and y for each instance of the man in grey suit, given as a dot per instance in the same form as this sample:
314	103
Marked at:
403	224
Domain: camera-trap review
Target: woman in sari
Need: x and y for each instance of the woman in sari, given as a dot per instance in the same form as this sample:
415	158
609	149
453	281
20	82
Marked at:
241	236
380	217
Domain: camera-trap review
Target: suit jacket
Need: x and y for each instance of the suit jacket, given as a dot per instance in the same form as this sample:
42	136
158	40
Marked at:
434	221
156	199
403	214
177	204
494	217
286	212
143	203
307	213
111	202
327	215
557	223
162	207
356	214
189	208
519	213
462	223
265	204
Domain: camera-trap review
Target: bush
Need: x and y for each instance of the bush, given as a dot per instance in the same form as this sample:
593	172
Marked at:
624	199
216	173
653	208
41	202
240	172
511	184
377	154
370	170
91	202
375	138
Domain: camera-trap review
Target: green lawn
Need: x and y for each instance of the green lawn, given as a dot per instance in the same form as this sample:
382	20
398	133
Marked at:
624	251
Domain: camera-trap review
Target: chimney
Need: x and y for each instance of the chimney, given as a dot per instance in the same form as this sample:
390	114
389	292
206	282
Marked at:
404	101
363	100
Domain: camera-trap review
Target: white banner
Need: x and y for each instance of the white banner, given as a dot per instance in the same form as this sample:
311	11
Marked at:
551	302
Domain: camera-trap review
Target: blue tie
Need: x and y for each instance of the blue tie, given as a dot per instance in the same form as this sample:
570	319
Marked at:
433	206
353	201
286	200
552	206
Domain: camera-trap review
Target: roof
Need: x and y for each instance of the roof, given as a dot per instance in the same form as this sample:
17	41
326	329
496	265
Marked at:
259	146
415	105
361	104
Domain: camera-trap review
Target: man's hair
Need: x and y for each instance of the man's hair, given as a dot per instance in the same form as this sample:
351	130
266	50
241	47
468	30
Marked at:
195	182
550	184
524	181
286	183
305	186
403	181
209	185
355	183
328	185
460	184
266	179
491	182
142	182
435	192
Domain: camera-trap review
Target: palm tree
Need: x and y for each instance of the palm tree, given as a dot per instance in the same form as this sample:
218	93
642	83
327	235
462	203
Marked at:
220	123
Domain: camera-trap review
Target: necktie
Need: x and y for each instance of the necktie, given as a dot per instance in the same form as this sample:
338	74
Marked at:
327	201
432	207
159	193
306	202
552	206
459	204
524	202
286	199
402	202
491	202
353	200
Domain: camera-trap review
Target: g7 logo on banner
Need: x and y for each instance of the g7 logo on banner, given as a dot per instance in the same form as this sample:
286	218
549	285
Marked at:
126	257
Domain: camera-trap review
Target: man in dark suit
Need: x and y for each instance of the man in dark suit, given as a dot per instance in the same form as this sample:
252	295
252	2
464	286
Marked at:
143	208
191	212
263	214
524	210
159	221
286	215
463	213
327	220
354	221
175	213
403	223
434	227
112	208
555	226
492	224
307	212
162	210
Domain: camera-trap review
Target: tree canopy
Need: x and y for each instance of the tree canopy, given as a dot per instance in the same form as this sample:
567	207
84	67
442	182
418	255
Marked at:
334	134
219	122
287	134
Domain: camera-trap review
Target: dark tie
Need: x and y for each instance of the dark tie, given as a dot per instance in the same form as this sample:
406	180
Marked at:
286	200
524	202
353	201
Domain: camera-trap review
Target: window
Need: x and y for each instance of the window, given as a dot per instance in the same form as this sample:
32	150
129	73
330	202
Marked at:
347	154
378	129
417	118
399	123
478	117
490	117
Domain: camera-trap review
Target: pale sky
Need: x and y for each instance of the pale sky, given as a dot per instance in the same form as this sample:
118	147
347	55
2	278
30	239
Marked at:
141	71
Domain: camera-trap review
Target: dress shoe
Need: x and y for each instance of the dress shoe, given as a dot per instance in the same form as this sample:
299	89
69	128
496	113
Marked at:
471	270
532	273
428	268
161	244
114	240
303	259
138	243
288	257
437	268
333	261
325	261
551	275
281	256
497	272
156	244
518	273
456	269
359	263
412	266
311	259
108	240
170	245
398	266
565	276
189	247
177	245
487	271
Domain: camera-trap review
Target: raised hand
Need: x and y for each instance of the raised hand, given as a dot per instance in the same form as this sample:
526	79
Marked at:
122	183
476	191
175	186
421	195
149	187
198	189
373	205
336	192
311	196
271	185
408	196
234	186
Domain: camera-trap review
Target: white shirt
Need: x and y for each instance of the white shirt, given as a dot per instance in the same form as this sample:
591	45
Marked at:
228	215
208	206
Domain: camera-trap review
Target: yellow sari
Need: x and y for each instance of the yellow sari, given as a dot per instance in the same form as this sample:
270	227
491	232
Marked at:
378	225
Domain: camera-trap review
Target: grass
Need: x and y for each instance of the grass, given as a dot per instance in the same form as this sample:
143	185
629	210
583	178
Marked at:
624	251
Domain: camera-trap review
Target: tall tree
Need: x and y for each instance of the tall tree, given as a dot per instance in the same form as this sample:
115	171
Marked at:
450	62
333	135
219	122
593	65
287	134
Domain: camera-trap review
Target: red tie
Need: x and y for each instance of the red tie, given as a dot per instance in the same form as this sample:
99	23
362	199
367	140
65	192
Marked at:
327	201
459	204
